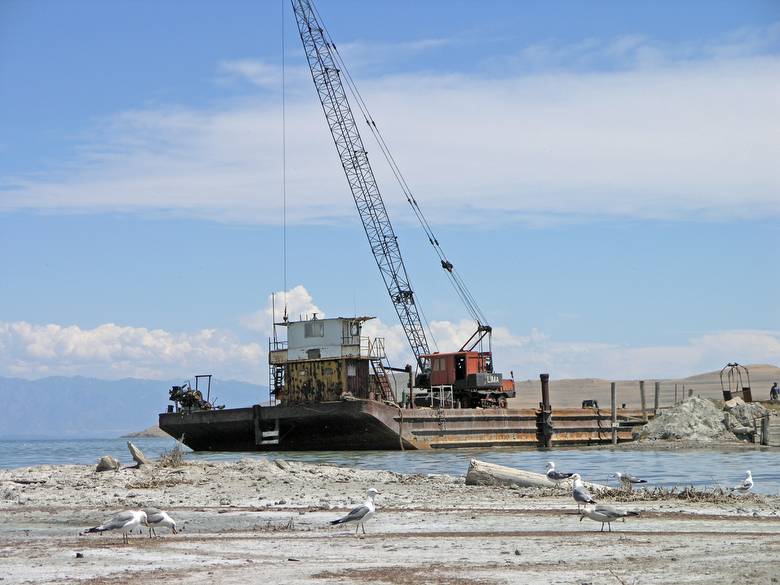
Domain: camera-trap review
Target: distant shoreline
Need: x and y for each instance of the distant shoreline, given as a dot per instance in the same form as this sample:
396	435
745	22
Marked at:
153	431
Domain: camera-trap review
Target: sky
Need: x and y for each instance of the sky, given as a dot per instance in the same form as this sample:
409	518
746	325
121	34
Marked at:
603	175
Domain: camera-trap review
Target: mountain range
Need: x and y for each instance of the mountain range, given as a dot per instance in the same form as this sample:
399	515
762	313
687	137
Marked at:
79	407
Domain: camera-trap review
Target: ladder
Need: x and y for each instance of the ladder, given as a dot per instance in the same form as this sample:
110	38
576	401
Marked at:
382	380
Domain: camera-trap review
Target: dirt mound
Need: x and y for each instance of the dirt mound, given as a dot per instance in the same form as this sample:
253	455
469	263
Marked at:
696	419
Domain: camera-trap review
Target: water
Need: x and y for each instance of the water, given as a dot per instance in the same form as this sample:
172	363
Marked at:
666	468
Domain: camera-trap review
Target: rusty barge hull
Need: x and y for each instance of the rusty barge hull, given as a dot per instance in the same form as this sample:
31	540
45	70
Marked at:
372	425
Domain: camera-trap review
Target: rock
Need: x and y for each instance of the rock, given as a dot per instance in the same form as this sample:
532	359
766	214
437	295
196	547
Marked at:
107	463
729	404
742	418
138	455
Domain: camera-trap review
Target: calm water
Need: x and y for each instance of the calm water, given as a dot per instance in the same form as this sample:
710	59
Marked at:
667	468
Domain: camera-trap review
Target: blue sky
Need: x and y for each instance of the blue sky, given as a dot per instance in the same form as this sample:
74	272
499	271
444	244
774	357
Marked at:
603	175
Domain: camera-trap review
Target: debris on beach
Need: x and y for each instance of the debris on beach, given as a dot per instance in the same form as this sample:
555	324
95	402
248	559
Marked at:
483	473
107	463
701	420
138	455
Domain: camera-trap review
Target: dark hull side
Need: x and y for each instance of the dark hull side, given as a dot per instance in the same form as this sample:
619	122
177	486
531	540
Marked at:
368	425
354	425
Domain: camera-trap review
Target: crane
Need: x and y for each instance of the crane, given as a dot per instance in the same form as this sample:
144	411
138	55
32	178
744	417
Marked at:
361	179
329	75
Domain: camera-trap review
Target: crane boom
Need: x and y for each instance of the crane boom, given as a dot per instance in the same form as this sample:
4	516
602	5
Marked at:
360	176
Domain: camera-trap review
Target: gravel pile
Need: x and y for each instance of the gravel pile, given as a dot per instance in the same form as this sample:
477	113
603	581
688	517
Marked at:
696	419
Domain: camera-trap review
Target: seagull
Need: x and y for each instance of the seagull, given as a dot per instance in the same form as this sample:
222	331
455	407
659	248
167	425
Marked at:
605	514
746	485
157	517
627	478
579	493
126	521
360	514
554	475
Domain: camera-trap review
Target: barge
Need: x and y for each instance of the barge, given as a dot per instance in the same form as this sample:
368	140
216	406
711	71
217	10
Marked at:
334	390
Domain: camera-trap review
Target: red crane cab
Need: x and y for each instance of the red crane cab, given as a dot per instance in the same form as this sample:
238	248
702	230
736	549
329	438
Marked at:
471	376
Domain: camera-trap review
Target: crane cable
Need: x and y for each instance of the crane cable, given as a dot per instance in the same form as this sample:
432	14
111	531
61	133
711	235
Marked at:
284	168
455	279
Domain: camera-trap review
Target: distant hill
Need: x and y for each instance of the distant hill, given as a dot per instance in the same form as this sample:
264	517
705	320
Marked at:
78	407
571	392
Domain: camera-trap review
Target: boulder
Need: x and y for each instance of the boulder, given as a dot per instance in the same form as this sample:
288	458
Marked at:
107	463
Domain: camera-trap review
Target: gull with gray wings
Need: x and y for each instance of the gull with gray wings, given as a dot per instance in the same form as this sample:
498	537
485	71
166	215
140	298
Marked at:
360	514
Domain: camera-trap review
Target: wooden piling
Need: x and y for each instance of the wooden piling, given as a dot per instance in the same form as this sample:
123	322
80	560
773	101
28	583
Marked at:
642	397
614	414
657	402
545	413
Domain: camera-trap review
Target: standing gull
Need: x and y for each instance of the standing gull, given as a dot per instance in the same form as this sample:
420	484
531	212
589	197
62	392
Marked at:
605	514
628	479
126	522
360	514
156	518
579	493
746	485
554	475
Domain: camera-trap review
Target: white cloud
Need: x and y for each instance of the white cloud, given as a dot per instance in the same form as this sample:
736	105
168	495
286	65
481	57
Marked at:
256	72
534	353
116	351
299	304
686	135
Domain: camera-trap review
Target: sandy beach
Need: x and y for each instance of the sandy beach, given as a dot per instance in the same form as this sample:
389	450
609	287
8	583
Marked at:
261	520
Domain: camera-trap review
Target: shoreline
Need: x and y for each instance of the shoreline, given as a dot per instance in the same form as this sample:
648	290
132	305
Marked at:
239	517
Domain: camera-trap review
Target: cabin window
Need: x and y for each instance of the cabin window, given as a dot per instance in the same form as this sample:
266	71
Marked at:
314	329
351	370
460	367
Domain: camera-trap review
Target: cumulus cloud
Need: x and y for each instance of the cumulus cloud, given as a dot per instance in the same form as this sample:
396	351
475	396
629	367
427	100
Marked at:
684	134
533	353
299	304
117	351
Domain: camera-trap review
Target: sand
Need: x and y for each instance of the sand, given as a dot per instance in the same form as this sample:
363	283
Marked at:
256	521
571	392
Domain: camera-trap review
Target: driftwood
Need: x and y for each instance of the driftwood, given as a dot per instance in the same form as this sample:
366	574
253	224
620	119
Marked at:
138	455
107	463
482	473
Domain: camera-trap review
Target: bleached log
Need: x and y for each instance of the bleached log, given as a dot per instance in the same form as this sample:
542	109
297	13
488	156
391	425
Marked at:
482	473
138	455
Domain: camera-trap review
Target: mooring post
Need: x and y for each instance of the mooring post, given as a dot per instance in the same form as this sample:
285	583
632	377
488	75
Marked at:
546	413
613	393
657	402
642	397
765	429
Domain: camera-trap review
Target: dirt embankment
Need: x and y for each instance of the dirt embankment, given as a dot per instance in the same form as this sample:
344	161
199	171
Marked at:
253	519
